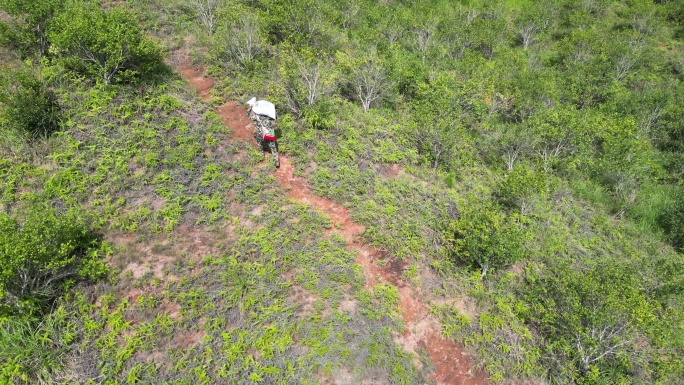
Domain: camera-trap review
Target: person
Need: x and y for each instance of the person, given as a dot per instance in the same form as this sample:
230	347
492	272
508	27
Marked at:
263	113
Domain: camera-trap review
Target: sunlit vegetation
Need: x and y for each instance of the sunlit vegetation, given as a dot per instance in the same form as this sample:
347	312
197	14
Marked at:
523	157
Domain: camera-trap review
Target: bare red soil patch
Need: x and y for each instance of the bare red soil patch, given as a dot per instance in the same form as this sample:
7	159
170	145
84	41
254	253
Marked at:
232	113
422	330
195	75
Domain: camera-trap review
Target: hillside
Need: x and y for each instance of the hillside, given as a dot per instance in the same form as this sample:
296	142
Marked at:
469	193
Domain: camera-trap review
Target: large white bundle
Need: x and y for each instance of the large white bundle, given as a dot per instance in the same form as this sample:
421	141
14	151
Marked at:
264	107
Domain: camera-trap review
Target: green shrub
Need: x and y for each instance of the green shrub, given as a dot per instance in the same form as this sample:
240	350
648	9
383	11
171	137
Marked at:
27	106
41	256
319	115
520	187
484	237
105	45
671	220
592	319
25	29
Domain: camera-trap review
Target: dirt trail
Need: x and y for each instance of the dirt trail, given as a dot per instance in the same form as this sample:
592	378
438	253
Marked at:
422	330
232	113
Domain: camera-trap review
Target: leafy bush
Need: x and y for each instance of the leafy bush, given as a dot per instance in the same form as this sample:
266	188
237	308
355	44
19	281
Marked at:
520	186
672	221
106	45
41	255
437	131
27	106
485	237
593	319
319	115
26	28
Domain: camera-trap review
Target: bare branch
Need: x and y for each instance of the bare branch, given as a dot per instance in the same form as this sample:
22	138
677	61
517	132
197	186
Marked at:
244	41
370	83
527	33
206	10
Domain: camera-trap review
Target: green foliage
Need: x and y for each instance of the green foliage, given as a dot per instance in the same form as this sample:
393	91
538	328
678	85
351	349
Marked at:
43	254
33	352
521	186
239	41
104	45
572	99
308	81
485	237
671	219
438	129
593	316
28	108
26	30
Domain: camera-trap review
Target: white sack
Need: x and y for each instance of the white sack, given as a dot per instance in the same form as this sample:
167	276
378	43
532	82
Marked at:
264	107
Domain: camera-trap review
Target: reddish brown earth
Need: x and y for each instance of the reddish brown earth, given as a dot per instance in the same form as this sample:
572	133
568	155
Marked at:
232	113
422	330
195	76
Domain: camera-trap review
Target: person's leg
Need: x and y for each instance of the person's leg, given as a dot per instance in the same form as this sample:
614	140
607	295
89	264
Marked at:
274	151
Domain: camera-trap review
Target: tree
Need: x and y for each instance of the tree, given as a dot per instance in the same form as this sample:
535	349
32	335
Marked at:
300	23
553	130
369	80
527	32
437	128
520	187
307	80
244	40
487	32
592	314
531	24
206	11
437	136
27	107
26	29
349	13
106	45
671	220
425	37
507	142
675	14
485	237
40	255
623	161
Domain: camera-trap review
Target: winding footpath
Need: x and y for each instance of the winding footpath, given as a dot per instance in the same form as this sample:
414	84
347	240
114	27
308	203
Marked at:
422	330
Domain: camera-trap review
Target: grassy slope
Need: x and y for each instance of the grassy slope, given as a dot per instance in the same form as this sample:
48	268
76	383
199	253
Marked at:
262	301
221	277
215	282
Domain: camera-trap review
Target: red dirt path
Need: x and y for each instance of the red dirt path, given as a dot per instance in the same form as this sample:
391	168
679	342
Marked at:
232	113
234	116
422	330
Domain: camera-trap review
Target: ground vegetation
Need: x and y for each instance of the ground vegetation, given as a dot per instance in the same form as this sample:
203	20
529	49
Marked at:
518	163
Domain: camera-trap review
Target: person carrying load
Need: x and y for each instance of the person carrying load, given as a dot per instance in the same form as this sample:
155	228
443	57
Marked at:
263	113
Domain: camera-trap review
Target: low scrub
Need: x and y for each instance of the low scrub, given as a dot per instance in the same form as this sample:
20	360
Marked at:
41	255
28	108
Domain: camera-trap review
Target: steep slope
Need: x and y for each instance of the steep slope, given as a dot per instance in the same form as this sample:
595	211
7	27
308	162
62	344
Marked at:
421	330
